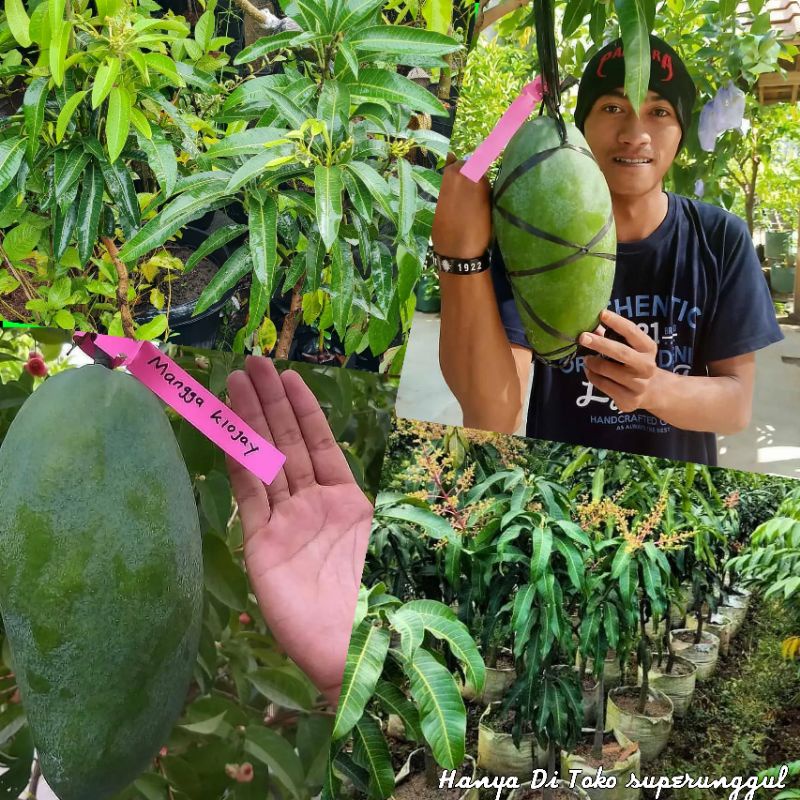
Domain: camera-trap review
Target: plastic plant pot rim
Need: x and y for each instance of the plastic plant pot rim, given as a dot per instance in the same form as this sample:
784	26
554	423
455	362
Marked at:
652	694
668	675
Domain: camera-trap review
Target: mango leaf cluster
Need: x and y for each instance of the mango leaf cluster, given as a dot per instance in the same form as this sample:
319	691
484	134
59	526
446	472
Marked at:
397	664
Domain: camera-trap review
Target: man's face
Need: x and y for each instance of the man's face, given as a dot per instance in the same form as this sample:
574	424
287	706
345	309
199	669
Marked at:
633	152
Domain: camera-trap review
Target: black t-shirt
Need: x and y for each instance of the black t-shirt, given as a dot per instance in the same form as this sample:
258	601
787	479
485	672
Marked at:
694	286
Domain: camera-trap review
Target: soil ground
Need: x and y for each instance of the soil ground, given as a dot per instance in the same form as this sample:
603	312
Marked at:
629	702
612	752
416	788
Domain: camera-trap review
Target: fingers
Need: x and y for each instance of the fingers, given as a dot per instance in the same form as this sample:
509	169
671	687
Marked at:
251	497
283	424
637	353
329	463
629	330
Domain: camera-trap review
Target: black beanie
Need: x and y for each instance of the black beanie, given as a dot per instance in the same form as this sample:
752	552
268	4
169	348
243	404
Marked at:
668	77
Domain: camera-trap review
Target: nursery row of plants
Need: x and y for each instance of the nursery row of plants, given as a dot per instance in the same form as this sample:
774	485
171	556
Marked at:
146	174
574	597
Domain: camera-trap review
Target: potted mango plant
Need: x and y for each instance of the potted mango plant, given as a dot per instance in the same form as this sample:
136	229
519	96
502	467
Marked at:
543	710
315	156
394	666
95	124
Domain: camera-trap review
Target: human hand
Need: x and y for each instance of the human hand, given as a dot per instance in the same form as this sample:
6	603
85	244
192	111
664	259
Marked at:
633	378
462	223
305	535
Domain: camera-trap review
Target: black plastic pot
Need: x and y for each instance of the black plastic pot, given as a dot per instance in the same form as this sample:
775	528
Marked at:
427	302
200	330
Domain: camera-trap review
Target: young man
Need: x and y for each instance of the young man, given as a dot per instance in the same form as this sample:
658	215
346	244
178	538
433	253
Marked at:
689	305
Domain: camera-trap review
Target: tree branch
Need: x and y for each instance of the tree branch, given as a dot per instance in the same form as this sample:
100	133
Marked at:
491	16
290	322
122	287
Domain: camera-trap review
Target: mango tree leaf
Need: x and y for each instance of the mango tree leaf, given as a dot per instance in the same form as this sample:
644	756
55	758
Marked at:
33	105
12	151
282	687
400	40
408	198
442	716
67	112
223	577
178	212
63	228
263	239
219	238
226	277
574	14
343	274
118	121
371	752
104	79
394	701
265	46
328	197
152	329
438	15
369	645
542	546
273	750
636	44
411	628
381	84
350	57
439	620
208	727
90	204
333	107
432	524
59	46
161	159
119	183
69	173
248	142
18	21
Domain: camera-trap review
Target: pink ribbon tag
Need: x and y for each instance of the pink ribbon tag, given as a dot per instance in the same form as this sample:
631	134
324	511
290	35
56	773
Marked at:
511	121
192	401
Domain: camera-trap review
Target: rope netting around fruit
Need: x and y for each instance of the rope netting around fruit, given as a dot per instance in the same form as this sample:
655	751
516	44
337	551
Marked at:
579	251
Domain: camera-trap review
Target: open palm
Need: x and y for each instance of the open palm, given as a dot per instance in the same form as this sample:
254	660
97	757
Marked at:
305	535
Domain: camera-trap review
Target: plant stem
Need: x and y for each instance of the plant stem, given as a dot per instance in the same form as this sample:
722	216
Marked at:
698	637
33	786
250	10
290	322
431	778
547	792
668	639
597	747
122	287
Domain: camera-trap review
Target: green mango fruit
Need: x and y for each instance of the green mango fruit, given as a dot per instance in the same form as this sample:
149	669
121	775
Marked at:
555	228
101	577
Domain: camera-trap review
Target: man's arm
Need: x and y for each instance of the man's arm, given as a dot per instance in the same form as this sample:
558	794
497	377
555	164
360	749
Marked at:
718	403
475	356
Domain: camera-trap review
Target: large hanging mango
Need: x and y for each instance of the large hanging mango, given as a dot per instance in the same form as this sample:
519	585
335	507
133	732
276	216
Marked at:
101	577
555	228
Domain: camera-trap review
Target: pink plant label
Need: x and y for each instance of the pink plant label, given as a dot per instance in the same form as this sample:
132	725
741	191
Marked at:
511	121
191	400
